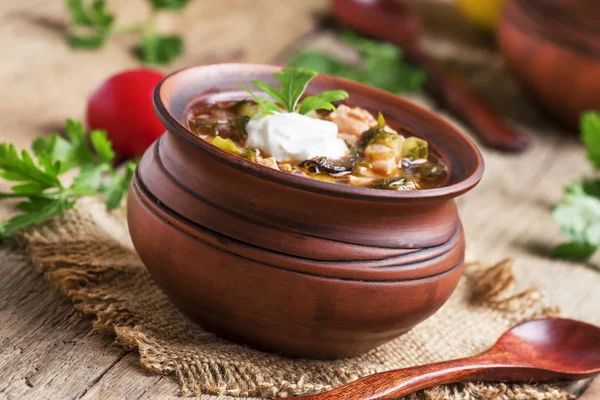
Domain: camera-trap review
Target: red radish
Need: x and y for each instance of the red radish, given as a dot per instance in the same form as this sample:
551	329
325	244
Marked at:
122	106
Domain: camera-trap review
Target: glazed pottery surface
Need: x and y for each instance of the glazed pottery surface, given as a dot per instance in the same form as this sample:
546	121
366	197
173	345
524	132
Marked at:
553	48
287	263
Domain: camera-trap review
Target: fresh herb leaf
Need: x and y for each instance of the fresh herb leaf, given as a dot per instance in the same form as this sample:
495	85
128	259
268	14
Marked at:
115	188
590	135
322	101
38	182
22	168
576	251
268	107
382	65
157	49
171	5
102	146
579	212
294	82
90	42
35	212
95	18
92	23
95	15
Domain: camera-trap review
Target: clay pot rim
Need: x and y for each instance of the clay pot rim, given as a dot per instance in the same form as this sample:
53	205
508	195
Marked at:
333	189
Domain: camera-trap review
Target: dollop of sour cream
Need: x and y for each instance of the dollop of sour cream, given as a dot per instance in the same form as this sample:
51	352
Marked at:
294	137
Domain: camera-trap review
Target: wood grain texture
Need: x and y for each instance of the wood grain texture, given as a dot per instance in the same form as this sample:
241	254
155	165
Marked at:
44	82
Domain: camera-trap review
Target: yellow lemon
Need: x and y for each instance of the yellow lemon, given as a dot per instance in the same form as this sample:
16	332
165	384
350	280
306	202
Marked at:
484	13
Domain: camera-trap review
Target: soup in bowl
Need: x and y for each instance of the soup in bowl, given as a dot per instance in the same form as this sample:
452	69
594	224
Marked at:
324	250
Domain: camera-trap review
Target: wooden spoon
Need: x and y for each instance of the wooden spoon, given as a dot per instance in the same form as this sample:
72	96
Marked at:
395	21
538	350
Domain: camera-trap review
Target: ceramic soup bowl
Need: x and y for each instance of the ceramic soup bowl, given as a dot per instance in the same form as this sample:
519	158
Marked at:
287	263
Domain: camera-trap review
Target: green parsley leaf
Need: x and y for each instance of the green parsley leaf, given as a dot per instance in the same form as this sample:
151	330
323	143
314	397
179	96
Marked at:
157	49
23	169
579	212
39	185
268	107
171	5
293	83
97	20
74	151
115	188
35	212
576	251
579	218
102	146
590	135
90	42
382	65
322	101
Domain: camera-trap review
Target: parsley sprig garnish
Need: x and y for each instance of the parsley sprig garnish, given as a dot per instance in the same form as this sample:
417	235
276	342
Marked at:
579	212
381	65
293	82
92	24
38	183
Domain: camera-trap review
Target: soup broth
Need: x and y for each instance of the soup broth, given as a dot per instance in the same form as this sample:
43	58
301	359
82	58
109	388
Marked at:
378	157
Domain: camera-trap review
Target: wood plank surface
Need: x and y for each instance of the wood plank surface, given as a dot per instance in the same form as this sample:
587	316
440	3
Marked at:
48	351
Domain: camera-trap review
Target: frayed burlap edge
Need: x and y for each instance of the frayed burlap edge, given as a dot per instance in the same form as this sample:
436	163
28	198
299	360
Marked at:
75	268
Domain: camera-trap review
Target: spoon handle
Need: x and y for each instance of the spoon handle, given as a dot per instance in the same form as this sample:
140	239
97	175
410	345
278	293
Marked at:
395	384
464	102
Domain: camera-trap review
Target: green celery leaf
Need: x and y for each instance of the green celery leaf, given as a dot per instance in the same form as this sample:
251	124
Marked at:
115	188
102	146
577	251
15	168
268	106
35	212
590	135
159	49
171	5
322	101
293	83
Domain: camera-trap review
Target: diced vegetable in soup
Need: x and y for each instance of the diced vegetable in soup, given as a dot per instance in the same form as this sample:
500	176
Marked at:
347	145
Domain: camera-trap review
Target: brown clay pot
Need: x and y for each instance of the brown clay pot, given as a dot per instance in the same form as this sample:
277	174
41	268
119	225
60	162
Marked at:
553	48
286	263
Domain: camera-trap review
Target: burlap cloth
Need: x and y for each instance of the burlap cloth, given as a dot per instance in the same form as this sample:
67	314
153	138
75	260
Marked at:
87	253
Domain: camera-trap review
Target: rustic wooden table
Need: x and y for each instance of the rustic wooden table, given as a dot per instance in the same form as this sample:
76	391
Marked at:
47	350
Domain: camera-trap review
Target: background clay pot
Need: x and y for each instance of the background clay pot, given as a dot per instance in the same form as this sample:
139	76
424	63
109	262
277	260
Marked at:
553	47
304	267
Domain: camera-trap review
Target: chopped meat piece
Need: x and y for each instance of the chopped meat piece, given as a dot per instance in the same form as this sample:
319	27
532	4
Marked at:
286	167
352	121
269	162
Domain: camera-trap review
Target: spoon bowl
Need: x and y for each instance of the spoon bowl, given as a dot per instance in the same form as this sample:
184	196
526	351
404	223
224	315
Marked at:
559	345
538	350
